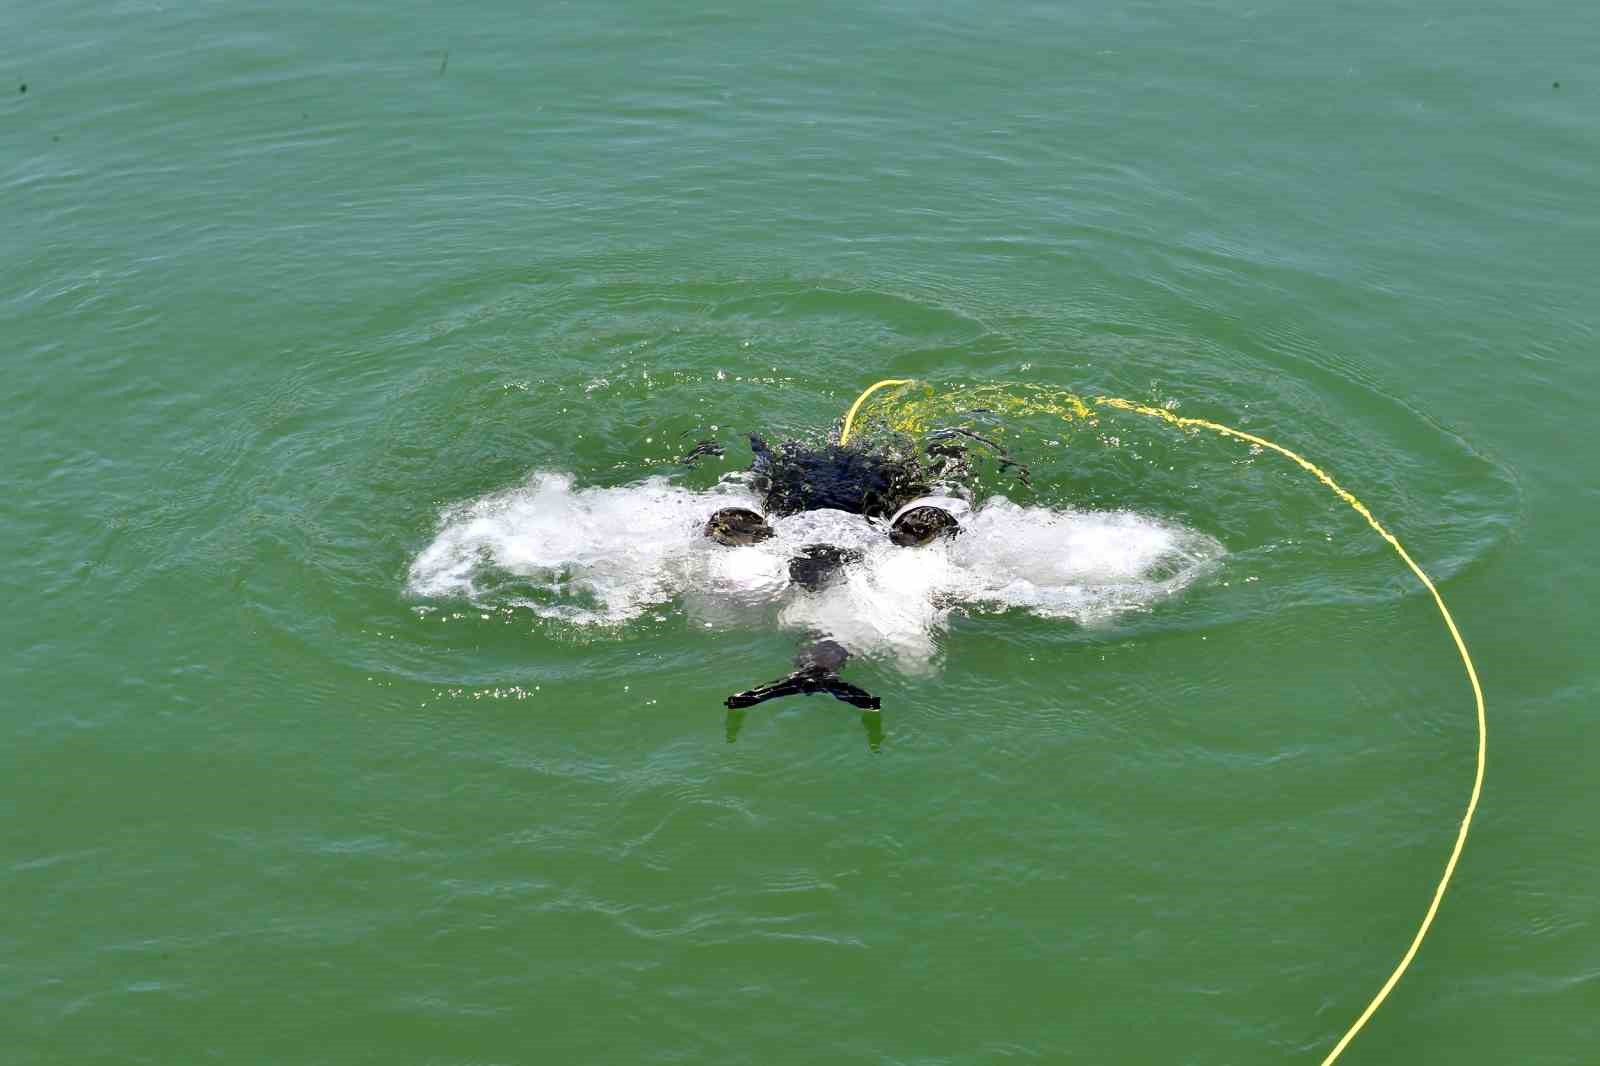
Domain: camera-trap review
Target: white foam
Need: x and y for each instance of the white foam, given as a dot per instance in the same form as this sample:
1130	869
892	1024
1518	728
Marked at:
598	555
607	555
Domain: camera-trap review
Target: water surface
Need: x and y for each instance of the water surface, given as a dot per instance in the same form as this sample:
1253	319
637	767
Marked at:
285	289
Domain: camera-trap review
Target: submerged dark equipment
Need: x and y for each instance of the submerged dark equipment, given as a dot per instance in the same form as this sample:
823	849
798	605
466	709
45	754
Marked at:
793	478
818	671
736	526
917	526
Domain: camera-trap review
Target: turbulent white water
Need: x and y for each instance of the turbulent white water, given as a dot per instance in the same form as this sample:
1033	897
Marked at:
607	555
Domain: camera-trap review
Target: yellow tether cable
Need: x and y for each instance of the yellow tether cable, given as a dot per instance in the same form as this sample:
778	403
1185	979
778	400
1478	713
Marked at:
850	416
1449	621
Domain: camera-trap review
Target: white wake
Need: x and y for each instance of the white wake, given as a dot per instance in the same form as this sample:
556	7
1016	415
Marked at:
607	555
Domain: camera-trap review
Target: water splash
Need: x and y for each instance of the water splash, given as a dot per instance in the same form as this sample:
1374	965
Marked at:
597	556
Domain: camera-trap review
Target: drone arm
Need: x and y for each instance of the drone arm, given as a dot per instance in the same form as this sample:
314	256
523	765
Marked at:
843	690
784	686
805	682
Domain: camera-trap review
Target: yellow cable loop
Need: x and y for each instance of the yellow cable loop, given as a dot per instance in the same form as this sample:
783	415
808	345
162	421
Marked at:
1449	621
850	416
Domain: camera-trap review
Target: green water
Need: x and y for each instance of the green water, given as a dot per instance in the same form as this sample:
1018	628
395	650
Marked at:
281	285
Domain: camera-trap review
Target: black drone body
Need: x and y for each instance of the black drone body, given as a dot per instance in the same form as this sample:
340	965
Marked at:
794	478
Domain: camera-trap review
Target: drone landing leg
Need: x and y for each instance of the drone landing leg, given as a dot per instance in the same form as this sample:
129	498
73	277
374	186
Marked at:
804	682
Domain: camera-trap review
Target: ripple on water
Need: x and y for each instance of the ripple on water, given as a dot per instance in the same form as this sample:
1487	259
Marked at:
612	369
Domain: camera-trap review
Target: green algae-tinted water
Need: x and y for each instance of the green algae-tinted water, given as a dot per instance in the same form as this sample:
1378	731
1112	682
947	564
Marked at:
282	287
